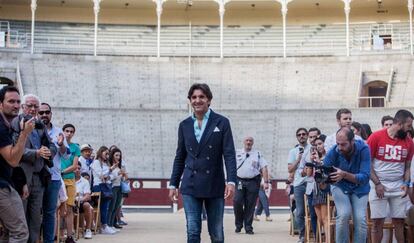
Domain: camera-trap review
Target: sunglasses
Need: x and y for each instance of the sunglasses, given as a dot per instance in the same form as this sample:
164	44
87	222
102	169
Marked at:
301	134
44	112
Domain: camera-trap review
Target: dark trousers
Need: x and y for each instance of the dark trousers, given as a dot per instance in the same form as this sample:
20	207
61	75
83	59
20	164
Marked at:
244	202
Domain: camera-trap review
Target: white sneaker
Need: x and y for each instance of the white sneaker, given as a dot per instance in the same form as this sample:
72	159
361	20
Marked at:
107	231
88	234
115	229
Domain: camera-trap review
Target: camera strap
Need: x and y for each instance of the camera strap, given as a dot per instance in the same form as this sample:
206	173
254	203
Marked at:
247	156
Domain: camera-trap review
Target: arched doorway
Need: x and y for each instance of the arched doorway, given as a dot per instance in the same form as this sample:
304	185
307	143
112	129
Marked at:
375	93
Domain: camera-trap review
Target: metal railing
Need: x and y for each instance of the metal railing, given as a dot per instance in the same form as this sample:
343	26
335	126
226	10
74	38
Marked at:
306	40
372	101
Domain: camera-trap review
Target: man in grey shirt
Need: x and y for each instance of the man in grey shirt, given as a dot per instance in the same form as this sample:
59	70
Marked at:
250	167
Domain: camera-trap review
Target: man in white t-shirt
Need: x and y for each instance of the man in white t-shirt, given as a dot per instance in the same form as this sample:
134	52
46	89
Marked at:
83	191
391	154
344	119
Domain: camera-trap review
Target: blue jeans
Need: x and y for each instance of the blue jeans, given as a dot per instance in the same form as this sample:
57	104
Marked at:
300	208
348	205
104	206
215	211
263	204
314	218
50	199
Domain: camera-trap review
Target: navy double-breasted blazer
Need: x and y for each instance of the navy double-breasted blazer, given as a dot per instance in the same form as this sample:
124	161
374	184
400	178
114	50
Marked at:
201	164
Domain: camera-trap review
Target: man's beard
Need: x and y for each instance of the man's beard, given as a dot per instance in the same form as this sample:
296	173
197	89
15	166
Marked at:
401	134
45	121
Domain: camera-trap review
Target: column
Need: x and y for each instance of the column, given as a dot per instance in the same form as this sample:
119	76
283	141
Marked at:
347	9
96	9
159	13
284	11
222	10
33	7
410	12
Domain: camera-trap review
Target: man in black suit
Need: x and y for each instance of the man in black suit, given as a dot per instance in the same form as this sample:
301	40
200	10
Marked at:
203	140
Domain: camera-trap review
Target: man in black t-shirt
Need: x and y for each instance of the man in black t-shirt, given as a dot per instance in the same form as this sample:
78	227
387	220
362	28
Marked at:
11	207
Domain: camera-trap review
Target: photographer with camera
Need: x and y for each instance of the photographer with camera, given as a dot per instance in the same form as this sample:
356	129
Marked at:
296	164
35	159
350	160
12	214
391	152
321	187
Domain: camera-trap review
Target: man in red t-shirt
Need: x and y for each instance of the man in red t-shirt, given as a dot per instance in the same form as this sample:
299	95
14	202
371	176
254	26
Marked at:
391	154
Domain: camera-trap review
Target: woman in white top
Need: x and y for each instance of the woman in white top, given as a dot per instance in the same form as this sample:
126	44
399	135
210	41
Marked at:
101	175
117	175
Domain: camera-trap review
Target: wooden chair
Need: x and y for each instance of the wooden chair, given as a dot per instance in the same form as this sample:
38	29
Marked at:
76	217
387	226
331	219
308	223
96	197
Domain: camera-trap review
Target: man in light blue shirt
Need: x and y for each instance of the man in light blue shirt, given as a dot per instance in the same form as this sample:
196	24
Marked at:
51	192
296	163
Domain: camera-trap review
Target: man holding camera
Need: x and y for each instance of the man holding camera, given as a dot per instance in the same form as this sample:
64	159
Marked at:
33	163
391	152
250	166
350	159
296	163
11	208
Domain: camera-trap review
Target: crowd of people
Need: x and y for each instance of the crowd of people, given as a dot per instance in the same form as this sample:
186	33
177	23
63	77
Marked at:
363	171
44	173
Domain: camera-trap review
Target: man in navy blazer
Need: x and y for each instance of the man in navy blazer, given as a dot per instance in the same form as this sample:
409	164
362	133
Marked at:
204	139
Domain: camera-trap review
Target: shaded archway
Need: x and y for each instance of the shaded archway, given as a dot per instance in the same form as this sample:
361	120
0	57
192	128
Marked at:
374	93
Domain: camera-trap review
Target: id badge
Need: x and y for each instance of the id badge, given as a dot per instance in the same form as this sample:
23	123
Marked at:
239	186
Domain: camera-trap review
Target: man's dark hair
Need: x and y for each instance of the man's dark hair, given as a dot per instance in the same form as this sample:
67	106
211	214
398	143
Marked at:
342	111
386	118
313	129
203	87
44	103
402	115
301	129
348	132
68	125
5	90
321	137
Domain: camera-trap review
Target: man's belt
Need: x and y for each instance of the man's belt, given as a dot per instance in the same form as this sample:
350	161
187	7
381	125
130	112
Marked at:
249	179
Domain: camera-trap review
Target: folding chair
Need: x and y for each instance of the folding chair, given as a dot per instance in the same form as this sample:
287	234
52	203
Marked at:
96	197
308	223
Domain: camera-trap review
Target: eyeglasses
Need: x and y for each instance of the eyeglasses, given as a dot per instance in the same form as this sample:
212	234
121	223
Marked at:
30	106
301	134
44	112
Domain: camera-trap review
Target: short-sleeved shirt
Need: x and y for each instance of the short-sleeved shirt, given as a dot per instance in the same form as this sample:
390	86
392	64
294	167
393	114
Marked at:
293	156
249	164
67	162
82	187
5	169
55	170
389	157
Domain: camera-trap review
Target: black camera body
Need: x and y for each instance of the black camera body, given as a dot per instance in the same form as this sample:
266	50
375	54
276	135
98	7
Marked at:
38	123
322	174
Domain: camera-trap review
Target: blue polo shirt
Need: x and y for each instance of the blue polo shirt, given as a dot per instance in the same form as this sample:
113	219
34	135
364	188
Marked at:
358	165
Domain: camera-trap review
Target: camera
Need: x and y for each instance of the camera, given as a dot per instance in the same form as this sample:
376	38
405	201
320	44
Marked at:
322	174
38	123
